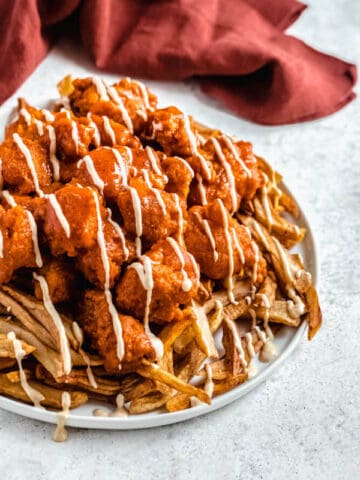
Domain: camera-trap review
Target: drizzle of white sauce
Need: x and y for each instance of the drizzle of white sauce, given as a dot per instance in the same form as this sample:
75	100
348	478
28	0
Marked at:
34	395
194	149
187	283
207	229
153	160
39	127
96	134
121	165
155	191
35	240
229	173
75	135
229	280
49	117
27	155
144	272
202	189
120	410
180	218
237	340
208	387
236	155
9	198
138	218
78	333
61	434
238	246
90	167
52	152
59	213
113	94
109	130
26	116
266	204
105	261
120	232
144	93
249	342
268	352
54	314
100	88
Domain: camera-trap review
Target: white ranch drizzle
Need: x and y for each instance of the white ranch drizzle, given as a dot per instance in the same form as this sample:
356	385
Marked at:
59	213
180	218
144	93
144	272
229	173
26	153
261	334
78	334
236	155
256	255
187	283
268	352
54	314
205	224
152	158
138	218
109	130
105	261
120	410
252	371
202	189
9	198
261	235
186	165
90	167
49	117
230	284
266	204
34	236
295	306
237	245
129	154
284	261
26	116
119	231
34	395
75	135
40	127
193	147
155	191
122	166
264	299
52	152
238	345
113	94
249	342
100	88
96	135
61	434
208	387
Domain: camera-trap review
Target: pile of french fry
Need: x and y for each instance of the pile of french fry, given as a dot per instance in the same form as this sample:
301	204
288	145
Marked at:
174	381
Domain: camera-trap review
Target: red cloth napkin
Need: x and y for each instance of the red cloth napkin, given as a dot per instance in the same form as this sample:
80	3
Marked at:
237	49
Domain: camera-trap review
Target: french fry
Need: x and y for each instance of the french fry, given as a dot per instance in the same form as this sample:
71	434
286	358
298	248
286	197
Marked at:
150	370
229	383
50	359
148	403
314	316
52	396
7	347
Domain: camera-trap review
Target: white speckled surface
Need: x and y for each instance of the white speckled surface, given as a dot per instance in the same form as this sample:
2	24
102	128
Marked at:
304	422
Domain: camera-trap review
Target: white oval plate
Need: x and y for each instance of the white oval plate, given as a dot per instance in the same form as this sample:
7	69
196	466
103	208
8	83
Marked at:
286	341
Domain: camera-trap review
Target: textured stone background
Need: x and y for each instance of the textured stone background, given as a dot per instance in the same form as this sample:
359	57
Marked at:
304	421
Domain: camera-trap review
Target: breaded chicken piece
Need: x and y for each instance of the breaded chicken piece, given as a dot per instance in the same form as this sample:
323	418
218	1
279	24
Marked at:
17	245
175	278
25	165
219	243
159	210
95	319
62	280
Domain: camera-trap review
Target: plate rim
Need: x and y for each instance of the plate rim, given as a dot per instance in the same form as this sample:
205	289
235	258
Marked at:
144	421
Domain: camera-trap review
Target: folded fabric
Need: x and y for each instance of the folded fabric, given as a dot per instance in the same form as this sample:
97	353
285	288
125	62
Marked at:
237	49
